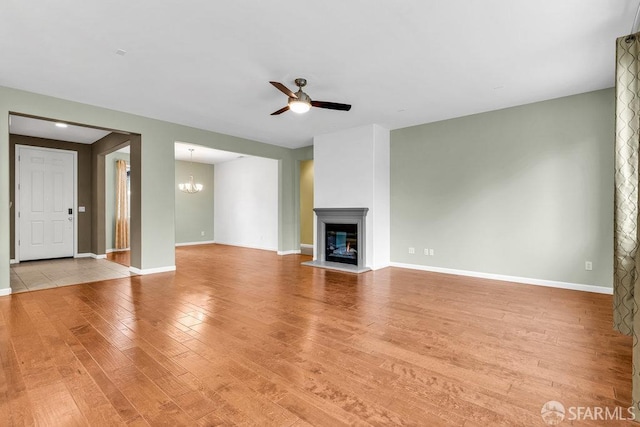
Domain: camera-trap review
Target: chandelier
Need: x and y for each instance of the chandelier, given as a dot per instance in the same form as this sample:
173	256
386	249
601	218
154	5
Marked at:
190	187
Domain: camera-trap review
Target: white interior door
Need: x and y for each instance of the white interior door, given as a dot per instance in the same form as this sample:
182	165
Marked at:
46	203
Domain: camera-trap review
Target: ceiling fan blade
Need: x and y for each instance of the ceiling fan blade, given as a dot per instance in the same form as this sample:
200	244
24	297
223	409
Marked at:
282	88
280	111
331	105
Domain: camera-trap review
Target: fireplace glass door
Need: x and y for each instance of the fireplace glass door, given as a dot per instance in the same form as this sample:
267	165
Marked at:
341	243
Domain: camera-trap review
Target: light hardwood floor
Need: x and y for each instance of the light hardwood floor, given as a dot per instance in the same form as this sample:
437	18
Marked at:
245	337
120	257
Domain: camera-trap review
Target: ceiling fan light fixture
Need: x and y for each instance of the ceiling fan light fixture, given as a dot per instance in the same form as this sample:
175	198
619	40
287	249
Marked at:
299	102
299	106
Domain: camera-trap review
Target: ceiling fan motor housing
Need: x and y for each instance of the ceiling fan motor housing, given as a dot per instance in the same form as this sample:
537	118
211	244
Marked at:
302	97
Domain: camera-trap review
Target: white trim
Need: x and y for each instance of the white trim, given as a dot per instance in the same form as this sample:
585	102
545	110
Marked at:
380	267
75	202
505	278
91	255
5	291
13	261
117	250
152	270
293	252
16	203
248	247
206	242
85	255
306	249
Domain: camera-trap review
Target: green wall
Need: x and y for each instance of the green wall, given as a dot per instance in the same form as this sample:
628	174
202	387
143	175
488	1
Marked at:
524	191
154	172
194	212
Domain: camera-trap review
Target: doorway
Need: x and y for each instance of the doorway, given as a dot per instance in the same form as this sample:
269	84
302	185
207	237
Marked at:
307	217
45	203
88	145
117	207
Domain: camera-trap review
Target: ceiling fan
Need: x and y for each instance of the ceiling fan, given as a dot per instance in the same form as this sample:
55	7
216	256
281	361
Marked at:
300	102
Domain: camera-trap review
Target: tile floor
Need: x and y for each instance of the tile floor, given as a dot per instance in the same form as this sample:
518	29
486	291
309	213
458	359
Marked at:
36	275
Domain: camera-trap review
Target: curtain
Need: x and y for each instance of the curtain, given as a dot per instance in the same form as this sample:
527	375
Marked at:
122	206
626	281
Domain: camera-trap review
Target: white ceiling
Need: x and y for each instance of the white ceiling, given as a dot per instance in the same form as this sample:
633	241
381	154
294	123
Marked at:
207	64
28	126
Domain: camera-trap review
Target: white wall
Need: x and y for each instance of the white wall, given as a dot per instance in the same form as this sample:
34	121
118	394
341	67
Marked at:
381	215
351	170
246	203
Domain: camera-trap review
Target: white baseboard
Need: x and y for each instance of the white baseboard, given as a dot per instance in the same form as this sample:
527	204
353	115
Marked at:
146	271
505	278
380	267
206	242
117	250
293	252
262	248
13	261
306	249
5	291
90	255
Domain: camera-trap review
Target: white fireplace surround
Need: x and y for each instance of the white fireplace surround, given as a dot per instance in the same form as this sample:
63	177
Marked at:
326	216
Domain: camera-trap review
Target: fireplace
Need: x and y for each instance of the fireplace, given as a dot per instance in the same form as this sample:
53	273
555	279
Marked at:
341	243
340	239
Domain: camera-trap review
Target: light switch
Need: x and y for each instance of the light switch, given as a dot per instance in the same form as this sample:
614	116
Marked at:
80	208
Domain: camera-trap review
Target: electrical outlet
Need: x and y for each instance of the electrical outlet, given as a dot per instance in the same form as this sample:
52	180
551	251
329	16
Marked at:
588	265
202	233
426	251
431	252
412	250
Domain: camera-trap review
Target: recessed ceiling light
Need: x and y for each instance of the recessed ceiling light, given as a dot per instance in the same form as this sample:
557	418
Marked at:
61	125
121	52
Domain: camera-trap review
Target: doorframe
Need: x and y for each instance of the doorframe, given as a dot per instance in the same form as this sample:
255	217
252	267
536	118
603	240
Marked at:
16	201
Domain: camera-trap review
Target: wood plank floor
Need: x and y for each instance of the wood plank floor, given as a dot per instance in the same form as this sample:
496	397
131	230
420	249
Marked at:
121	257
245	337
